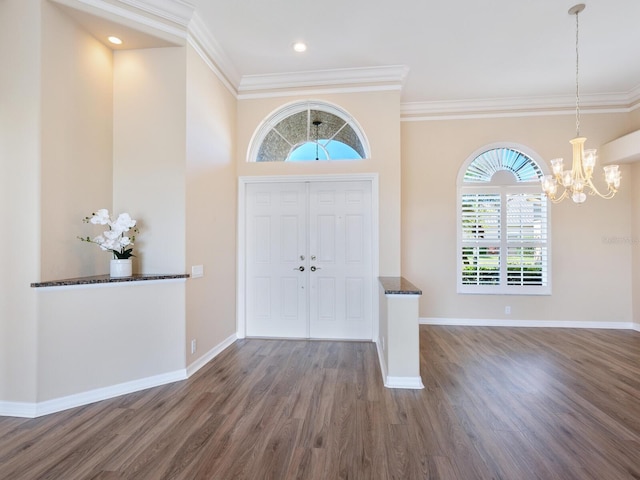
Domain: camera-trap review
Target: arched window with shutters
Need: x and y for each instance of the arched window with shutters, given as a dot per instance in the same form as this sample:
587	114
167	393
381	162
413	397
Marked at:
308	131
503	224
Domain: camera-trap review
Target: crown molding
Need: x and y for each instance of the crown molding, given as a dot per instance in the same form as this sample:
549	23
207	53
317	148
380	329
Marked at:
205	44
370	78
137	12
318	91
520	106
179	19
634	96
176	11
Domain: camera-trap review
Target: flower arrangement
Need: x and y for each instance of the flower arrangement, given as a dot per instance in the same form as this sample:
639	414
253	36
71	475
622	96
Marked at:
114	239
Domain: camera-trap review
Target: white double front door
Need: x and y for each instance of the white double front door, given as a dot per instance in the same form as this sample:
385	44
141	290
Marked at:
309	260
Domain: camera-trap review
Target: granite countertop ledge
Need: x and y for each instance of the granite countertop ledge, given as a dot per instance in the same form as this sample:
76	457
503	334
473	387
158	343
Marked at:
398	286
96	279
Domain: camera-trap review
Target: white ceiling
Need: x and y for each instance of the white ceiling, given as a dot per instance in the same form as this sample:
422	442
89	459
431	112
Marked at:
455	51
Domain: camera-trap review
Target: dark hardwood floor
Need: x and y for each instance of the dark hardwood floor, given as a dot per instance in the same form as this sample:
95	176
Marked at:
499	403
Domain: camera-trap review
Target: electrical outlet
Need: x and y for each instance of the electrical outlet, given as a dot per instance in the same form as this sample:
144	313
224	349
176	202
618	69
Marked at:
194	346
507	310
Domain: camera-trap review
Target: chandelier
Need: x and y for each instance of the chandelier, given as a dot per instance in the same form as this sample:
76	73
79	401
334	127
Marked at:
578	180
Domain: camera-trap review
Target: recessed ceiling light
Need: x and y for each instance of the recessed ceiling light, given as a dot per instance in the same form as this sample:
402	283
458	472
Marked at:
115	40
300	47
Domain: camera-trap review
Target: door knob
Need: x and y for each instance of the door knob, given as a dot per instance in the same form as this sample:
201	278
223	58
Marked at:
301	268
314	268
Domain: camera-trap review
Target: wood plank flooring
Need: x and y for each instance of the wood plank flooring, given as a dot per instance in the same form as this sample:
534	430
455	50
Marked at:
499	403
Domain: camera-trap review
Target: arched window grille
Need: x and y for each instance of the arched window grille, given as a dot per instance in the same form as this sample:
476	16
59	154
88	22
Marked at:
308	131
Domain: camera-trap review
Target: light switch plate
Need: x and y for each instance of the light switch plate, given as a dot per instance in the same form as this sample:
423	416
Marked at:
197	271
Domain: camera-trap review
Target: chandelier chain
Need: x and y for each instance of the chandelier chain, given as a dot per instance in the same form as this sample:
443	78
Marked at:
577	77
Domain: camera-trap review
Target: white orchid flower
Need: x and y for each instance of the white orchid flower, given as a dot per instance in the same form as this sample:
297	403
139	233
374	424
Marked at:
124	222
112	234
113	239
101	217
110	244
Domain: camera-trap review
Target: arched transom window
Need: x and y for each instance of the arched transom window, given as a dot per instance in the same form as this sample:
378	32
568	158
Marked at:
503	224
308	131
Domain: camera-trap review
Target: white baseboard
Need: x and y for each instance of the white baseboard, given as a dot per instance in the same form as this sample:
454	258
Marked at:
18	409
383	365
210	355
636	327
32	410
414	383
396	382
473	322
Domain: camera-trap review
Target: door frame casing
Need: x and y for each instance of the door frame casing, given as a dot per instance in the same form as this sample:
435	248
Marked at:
241	310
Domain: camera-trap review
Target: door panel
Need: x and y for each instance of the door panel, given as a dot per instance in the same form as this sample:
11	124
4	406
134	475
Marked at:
326	228
276	237
340	240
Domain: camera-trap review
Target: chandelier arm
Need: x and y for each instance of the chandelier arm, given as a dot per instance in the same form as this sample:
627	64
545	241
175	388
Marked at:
594	191
554	199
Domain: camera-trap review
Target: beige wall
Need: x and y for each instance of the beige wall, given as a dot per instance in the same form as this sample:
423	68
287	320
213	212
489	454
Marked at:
93	337
378	113
57	151
83	345
20	51
635	120
76	145
149	153
383	329
210	208
633	180
634	185
591	270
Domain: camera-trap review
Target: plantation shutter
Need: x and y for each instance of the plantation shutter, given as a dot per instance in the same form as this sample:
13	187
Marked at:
526	239
481	238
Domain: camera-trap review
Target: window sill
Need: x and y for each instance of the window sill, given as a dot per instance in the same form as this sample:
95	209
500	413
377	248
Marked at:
528	291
